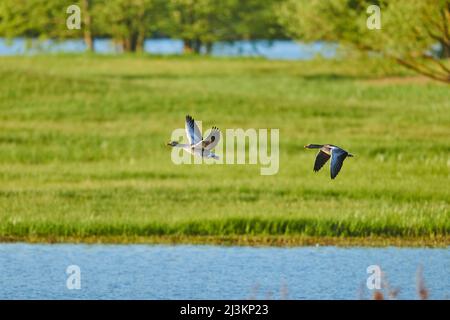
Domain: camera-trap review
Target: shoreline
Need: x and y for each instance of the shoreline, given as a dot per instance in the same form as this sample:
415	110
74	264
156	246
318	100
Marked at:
239	240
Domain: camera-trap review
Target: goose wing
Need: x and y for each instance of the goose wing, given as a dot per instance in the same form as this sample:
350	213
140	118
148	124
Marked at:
337	159
321	159
192	131
212	139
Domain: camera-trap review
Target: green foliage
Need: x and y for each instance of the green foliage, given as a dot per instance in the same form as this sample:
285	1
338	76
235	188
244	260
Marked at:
206	21
83	150
345	20
128	22
35	18
409	29
198	23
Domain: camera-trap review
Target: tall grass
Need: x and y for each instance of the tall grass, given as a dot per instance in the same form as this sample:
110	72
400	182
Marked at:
82	148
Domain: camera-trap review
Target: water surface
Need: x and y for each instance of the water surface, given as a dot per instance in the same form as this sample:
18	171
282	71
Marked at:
276	49
30	271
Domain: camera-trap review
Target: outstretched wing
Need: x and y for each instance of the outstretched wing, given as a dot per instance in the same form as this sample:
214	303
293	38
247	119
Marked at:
192	131
321	159
212	139
337	159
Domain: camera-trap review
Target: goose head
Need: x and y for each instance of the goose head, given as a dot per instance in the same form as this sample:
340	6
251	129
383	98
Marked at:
172	143
313	146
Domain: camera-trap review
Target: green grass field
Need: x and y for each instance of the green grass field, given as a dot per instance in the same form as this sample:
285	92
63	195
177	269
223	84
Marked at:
83	154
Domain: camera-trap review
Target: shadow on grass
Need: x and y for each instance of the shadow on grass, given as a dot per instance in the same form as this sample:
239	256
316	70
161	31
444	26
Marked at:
333	77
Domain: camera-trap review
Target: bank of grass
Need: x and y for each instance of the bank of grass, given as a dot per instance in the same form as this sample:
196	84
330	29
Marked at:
239	240
82	154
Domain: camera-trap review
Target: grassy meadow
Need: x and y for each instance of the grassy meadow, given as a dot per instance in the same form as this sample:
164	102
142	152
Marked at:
83	154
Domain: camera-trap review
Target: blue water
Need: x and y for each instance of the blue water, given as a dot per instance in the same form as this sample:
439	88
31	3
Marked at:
277	49
29	271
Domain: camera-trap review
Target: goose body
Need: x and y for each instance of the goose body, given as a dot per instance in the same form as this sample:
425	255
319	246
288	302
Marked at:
197	145
327	151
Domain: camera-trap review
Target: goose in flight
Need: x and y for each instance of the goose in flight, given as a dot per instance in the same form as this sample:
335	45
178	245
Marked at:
326	151
197	145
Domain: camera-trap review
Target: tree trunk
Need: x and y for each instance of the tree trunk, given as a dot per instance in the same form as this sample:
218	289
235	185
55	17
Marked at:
187	46
133	42
130	43
192	46
209	47
140	37
140	42
445	51
88	39
197	46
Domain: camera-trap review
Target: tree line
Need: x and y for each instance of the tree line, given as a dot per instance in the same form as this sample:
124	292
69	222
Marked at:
199	23
414	33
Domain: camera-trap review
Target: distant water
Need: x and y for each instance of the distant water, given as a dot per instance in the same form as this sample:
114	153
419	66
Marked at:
29	271
277	49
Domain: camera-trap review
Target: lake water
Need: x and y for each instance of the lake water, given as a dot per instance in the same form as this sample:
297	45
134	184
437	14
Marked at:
30	271
277	49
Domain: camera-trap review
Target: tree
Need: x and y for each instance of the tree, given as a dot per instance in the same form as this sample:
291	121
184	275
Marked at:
196	22
254	19
87	20
200	23
411	33
42	19
35	18
128	22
